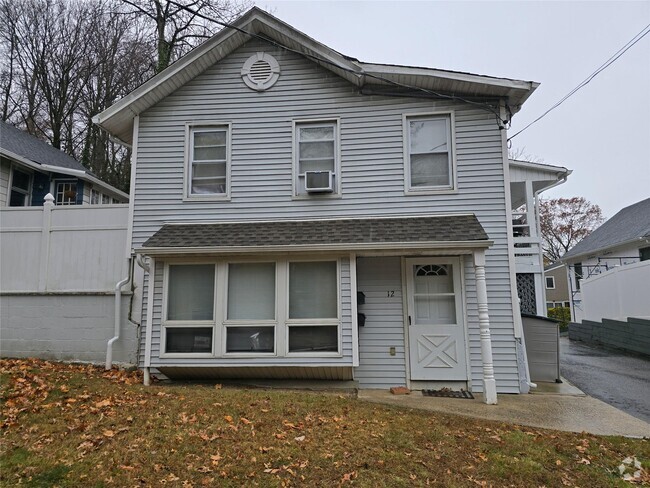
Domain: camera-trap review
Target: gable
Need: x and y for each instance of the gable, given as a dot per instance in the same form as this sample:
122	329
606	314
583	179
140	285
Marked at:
221	92
257	24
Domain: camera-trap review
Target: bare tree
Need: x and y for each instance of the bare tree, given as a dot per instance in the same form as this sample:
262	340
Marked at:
181	25
566	221
520	154
64	61
48	40
21	92
124	60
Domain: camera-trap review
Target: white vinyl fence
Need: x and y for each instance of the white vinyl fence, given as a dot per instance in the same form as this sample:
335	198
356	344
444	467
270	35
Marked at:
62	248
617	294
58	269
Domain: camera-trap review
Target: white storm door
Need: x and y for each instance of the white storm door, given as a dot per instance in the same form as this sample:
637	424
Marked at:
436	331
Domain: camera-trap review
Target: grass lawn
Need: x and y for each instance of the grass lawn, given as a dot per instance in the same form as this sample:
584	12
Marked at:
76	425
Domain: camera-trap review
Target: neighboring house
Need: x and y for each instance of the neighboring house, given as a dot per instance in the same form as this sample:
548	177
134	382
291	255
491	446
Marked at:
31	168
620	247
302	214
527	181
60	259
557	286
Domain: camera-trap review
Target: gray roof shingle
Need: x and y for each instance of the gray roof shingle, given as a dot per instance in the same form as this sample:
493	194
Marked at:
379	231
631	223
23	144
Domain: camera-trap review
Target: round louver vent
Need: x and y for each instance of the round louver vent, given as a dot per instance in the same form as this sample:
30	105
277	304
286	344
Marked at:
260	71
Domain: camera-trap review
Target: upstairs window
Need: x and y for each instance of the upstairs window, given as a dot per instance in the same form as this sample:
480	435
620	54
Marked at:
208	161
428	152
550	283
316	158
20	186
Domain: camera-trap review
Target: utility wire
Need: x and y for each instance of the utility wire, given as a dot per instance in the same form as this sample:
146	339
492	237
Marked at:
644	32
504	124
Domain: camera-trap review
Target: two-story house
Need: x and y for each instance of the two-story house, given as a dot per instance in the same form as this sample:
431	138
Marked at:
307	215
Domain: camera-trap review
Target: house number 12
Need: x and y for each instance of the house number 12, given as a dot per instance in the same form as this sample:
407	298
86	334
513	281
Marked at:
390	293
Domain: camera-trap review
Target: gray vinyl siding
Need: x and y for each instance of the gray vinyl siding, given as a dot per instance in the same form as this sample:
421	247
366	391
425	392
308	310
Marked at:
384	326
4	181
372	168
157	361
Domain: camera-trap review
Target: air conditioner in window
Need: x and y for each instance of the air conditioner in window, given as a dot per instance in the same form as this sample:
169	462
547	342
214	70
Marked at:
318	182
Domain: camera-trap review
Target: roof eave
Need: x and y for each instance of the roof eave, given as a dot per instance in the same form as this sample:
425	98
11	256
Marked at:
565	259
118	119
334	247
64	171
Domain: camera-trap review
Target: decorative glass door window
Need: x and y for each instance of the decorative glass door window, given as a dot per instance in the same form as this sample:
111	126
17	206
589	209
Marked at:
434	297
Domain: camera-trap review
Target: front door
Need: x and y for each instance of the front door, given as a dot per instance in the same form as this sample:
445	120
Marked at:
435	320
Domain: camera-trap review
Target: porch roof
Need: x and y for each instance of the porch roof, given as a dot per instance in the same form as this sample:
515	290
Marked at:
413	232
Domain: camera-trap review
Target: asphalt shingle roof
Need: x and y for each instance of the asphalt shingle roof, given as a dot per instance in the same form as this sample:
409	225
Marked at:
23	144
397	230
631	223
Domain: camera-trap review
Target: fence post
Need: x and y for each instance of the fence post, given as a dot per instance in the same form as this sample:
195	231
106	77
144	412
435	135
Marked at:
48	205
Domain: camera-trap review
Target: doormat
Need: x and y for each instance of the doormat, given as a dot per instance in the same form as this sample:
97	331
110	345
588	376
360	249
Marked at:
447	393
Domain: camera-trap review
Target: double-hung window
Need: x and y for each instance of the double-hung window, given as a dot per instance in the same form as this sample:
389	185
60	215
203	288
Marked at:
20	188
429	153
189	315
208	161
316	158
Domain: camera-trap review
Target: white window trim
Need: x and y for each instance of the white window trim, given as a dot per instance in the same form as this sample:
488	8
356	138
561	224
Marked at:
187	172
63	181
219	324
295	123
552	278
165	323
12	168
429	190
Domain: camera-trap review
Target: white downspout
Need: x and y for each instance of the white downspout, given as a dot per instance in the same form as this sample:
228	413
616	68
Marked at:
146	266
118	316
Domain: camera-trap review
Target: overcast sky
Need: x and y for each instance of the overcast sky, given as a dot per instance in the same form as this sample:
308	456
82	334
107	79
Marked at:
602	133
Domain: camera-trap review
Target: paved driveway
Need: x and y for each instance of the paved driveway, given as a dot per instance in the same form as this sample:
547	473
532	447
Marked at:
613	377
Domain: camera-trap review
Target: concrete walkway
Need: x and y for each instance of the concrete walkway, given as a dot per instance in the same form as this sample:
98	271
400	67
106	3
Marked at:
552	406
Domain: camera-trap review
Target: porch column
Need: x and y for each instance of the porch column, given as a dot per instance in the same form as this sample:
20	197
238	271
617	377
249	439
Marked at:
489	383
